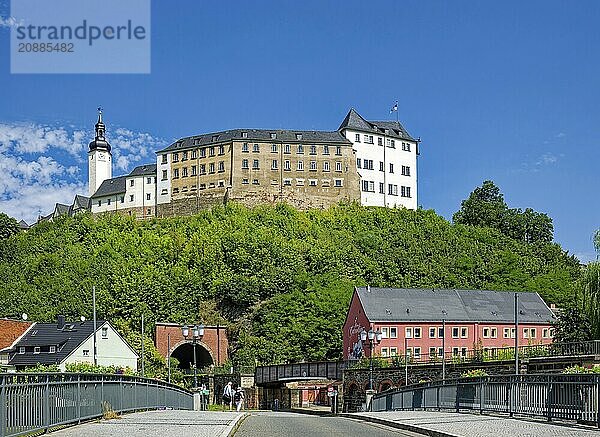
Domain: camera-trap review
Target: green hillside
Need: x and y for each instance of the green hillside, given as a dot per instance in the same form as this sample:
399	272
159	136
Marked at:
280	278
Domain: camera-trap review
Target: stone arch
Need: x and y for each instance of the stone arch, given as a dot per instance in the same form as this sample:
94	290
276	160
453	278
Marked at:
353	397
183	351
384	385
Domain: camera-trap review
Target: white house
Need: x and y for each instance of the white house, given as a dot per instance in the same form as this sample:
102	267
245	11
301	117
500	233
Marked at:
64	342
386	160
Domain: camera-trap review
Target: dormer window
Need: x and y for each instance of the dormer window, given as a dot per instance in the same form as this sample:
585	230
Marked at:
244	134
104	332
52	349
298	136
273	135
215	138
21	350
36	350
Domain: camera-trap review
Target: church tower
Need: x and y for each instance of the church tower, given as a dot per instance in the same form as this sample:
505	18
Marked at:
99	157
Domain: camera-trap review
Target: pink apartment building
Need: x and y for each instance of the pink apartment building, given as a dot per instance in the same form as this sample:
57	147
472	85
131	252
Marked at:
473	319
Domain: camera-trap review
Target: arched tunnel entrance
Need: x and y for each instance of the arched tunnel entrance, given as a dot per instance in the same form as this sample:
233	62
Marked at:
184	353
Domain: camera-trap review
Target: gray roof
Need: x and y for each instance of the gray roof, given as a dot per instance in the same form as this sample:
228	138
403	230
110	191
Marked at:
23	225
355	121
427	304
80	202
263	135
48	334
61	209
111	186
143	170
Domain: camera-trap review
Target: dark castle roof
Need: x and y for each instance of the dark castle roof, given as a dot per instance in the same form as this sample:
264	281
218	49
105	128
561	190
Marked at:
144	170
117	185
356	122
263	135
427	304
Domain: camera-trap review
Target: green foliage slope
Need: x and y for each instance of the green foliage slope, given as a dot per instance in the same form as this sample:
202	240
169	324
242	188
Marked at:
280	278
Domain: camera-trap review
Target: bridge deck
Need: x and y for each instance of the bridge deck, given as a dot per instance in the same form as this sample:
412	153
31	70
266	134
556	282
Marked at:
474	425
157	423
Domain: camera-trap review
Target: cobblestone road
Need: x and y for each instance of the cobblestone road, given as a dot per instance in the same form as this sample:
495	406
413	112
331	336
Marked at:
156	424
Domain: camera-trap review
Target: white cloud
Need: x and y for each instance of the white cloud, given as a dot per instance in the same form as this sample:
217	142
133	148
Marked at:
36	173
547	159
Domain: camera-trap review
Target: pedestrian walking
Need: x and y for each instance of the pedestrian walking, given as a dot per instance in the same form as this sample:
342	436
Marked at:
238	397
228	395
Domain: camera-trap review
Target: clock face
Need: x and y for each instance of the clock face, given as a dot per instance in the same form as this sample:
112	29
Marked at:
101	156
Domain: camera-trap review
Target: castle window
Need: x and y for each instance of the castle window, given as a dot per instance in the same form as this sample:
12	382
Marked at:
286	165
163	191
211	167
338	166
286	148
287	182
298	136
274	148
164	158
149	180
202	168
313	165
274	164
381	166
313	150
148	196
108	201
326	182
175	190
405	191
175	157
326	166
132	182
203	186
339	182
391	168
273	135
405	170
300	148
325	150
255	164
194	154
221	184
244	134
203	153
184	156
184	172
100	203
254	181
215	138
176	173
245	181
358	162
211	151
300	182
406	147
221	166
312	182
221	150
256	148
245	147
300	165
338	150
131	198
379	141
122	199
244	163
392	144
194	170
149	211
357	138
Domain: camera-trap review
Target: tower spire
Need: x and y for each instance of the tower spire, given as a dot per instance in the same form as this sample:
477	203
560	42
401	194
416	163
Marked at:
100	127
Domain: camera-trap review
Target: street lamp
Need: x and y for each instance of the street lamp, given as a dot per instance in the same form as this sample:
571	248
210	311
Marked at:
374	338
197	333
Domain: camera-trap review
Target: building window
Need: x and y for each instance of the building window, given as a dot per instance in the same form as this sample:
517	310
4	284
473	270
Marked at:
287	182
325	150
358	162
357	138
368	164
176	190
245	147
184	156
300	165
432	332
506	332
464	332
313	165
148	196
256	148
203	153
164	159
221	166
273	136
194	154
384	332
408	332
244	134
300	148
381	188
286	148
417	332
184	172
132	182
108	201
368	186
274	148
544	332
405	170
221	184
202	168
392	190
393	332
455	351
379	141
405	192
441	332
369	139
455	332
254	181
164	175
245	181
486	332
338	166
36	349
326	166
86	353
312	182
326	182
122	199
393	144
417	353
381	166
406	147
175	157
391	168
211	151
274	164
384	352
194	170
104	332
432	353
21	350
52	350
298	136
338	150
313	150
176	173
339	182
211	167
255	164
244	163
494	332
221	150
287	165
131	198
300	182
393	351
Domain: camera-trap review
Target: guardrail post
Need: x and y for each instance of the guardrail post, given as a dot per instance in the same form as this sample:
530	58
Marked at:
438	397
481	396
3	407
509	398
78	398
548	399
47	405
121	392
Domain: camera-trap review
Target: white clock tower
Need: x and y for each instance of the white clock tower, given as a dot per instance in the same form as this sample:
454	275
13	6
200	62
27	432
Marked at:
99	157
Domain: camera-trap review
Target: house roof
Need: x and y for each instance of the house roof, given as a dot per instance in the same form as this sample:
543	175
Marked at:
80	202
10	330
111	186
428	304
263	135
23	225
355	121
143	170
61	209
48	334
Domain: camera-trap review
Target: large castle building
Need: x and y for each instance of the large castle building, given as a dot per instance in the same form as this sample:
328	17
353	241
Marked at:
371	162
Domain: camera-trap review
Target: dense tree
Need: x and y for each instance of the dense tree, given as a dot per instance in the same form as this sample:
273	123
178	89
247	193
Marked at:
8	226
572	325
486	207
590	290
281	279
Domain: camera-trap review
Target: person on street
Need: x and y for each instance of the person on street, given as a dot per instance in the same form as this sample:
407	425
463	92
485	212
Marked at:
238	398
228	395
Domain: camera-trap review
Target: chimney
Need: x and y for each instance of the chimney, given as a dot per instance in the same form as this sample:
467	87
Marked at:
60	322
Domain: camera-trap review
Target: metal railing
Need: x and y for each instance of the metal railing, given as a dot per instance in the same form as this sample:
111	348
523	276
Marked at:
31	402
298	371
562	397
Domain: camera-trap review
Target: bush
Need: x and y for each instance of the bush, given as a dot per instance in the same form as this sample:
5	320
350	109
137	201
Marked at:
474	373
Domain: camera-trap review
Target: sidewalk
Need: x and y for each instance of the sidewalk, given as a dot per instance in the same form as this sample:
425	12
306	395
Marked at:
451	424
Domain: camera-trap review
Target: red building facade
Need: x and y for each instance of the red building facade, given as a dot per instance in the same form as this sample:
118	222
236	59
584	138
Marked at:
414	319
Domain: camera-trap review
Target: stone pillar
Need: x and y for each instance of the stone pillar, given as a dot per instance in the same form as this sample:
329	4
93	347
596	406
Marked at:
368	396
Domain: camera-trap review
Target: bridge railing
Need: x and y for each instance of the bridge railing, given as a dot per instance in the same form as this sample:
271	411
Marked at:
32	402
563	397
297	371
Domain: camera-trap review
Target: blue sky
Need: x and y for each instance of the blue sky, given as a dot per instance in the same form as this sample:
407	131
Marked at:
507	91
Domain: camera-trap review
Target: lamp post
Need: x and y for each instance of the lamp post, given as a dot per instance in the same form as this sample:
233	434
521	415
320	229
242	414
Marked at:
516	334
197	333
374	338
445	313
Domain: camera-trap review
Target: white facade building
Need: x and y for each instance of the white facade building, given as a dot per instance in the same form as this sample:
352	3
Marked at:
386	160
99	158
